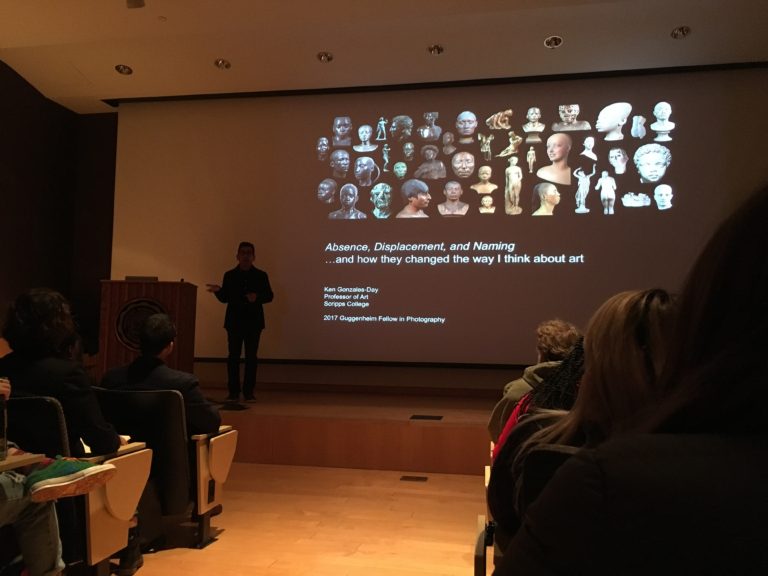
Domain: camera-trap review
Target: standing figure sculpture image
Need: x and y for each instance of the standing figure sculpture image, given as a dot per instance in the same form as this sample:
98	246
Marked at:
583	188
607	186
530	157
514	182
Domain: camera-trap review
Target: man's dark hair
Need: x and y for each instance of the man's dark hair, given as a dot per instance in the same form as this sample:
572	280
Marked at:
158	331
246	245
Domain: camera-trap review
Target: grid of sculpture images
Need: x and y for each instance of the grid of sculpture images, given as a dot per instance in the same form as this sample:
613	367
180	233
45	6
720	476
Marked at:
507	163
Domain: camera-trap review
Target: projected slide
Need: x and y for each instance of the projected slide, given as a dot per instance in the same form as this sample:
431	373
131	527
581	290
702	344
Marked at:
482	169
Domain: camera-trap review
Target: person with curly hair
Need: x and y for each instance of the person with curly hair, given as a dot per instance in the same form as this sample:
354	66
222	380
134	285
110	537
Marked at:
554	340
41	332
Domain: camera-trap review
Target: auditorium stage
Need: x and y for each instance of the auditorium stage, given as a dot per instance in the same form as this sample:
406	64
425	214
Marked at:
415	433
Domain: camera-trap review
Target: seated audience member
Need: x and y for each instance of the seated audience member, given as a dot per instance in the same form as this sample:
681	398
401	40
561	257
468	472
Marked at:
624	349
41	332
149	372
26	502
684	491
554	340
557	392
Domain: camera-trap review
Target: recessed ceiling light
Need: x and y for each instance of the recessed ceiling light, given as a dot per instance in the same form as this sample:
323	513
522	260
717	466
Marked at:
680	32
435	49
553	42
124	69
325	57
222	64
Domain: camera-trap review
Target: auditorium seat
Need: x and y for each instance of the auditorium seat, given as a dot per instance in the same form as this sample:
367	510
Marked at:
187	472
485	529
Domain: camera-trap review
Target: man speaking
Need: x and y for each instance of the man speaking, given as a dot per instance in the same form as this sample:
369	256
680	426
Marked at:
244	289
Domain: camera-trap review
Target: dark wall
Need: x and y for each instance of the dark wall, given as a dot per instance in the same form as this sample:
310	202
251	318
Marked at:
56	193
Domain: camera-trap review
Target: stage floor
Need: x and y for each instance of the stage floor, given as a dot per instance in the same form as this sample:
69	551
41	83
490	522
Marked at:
442	434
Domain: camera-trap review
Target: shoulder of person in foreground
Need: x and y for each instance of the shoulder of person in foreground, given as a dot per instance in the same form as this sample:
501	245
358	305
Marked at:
646	503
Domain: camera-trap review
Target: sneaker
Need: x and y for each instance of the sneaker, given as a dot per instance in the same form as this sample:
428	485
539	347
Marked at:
67	477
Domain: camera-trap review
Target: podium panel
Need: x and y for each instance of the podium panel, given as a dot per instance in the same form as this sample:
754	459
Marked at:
126	304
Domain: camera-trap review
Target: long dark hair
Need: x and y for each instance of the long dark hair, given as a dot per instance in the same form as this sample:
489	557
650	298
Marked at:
716	378
558	392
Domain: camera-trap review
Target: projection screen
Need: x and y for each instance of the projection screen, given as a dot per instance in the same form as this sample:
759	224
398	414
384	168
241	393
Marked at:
432	225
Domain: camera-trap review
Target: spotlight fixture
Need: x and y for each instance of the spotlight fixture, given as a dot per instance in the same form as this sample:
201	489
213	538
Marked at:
680	32
124	69
553	42
325	57
435	49
222	64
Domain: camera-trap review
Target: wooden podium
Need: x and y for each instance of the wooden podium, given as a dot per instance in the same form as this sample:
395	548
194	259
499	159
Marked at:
126	304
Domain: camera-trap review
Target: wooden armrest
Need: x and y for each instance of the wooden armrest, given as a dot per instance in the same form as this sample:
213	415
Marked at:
121	451
109	508
20	460
222	429
124	489
221	453
213	460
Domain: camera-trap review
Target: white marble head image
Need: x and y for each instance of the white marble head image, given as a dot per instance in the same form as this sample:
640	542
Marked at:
617	157
611	120
652	161
662	126
662	195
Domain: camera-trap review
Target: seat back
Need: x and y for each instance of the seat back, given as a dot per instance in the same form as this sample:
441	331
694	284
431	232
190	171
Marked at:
37	424
157	418
539	466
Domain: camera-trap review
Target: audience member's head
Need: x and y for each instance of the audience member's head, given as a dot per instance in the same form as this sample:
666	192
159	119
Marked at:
156	334
39	324
555	338
715	379
558	392
625	346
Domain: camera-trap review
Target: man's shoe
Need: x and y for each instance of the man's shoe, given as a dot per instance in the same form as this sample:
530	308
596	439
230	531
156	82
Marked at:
231	400
250	399
64	477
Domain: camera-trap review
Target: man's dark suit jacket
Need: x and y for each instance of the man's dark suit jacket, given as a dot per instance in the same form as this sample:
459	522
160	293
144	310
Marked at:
151	373
241	315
